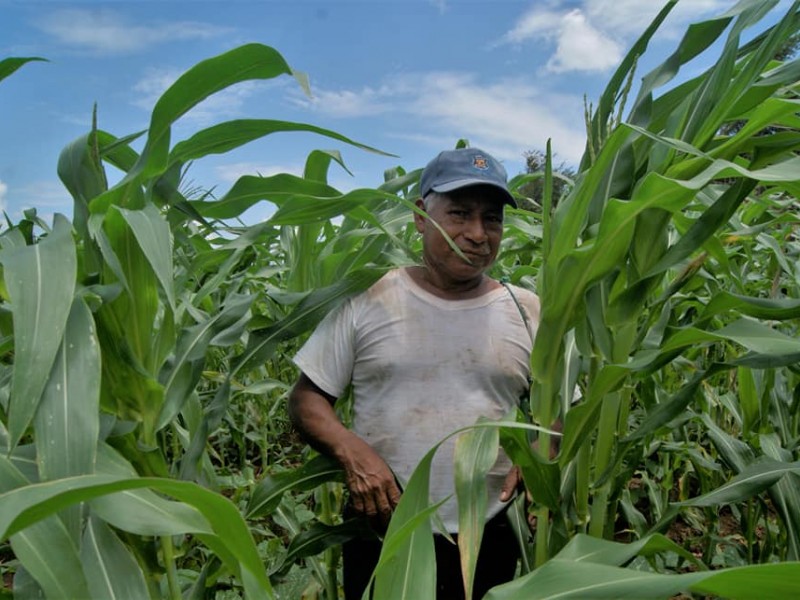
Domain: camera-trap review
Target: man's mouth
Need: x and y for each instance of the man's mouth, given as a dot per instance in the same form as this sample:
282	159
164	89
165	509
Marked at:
475	255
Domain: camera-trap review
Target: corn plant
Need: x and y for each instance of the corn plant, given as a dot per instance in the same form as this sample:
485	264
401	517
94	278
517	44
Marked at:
668	274
114	320
647	311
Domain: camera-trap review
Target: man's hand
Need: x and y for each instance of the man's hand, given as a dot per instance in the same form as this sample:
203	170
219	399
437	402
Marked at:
510	485
513	479
373	489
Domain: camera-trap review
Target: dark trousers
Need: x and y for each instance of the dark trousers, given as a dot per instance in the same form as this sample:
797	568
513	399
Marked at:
497	562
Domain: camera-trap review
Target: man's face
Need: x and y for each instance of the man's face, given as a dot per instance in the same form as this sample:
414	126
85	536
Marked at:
473	218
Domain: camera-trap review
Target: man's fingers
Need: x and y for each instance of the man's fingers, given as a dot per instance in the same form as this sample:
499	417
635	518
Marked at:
357	502
510	484
383	504
394	495
371	507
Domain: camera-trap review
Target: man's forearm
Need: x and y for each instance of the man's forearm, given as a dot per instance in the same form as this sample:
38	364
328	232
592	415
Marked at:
313	415
372	485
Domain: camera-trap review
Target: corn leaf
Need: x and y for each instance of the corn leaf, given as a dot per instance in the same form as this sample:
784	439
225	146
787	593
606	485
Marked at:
41	282
20	508
230	135
67	421
9	65
155	241
183	372
567	579
47	551
249	189
268	493
112	572
475	455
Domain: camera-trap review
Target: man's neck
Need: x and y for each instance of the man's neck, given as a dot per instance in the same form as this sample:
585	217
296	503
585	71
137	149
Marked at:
451	290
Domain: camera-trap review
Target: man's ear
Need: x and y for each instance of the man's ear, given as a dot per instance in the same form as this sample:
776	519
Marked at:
419	220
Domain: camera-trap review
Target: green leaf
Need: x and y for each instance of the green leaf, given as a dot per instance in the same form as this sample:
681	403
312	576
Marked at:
778	309
319	537
704	227
81	172
47	551
267	494
542	478
785	495
752	480
609	97
475	454
142	512
227	136
51	557
25	506
749	401
9	65
407	564
756	582
306	315
567	579
591	549
184	371
66	423
41	282
244	63
155	240
759	338
319	161
112	572
130	317
299	208
250	189
247	62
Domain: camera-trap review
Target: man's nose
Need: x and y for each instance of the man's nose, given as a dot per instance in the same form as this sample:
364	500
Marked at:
475	230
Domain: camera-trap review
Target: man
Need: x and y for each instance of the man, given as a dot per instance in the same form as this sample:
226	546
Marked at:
428	349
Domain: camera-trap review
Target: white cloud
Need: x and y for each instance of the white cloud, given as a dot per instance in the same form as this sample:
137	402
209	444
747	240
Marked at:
536	23
631	17
581	47
347	103
589	37
3	192
106	31
504	117
509	116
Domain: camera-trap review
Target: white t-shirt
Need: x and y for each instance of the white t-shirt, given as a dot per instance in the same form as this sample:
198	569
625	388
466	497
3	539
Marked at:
422	367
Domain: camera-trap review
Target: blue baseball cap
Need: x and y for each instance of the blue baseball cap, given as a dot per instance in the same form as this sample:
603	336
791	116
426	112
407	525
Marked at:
454	169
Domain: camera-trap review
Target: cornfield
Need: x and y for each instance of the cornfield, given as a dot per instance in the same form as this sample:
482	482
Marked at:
146	349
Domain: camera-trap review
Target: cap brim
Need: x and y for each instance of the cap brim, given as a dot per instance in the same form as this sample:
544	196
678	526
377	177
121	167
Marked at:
462	183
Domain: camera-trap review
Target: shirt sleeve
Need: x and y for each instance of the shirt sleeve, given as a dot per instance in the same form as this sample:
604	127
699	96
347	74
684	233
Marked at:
327	357
532	307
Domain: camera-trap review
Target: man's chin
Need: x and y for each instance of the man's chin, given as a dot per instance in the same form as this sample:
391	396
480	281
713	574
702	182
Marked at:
467	272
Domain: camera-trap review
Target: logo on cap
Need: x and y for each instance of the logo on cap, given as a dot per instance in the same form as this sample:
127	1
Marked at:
480	162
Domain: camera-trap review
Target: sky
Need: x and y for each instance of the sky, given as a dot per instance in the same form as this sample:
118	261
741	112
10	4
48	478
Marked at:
410	77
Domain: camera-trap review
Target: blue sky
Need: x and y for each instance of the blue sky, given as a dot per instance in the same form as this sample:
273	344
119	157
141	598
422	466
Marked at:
410	77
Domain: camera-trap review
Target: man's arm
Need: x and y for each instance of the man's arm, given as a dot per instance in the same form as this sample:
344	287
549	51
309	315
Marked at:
373	489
